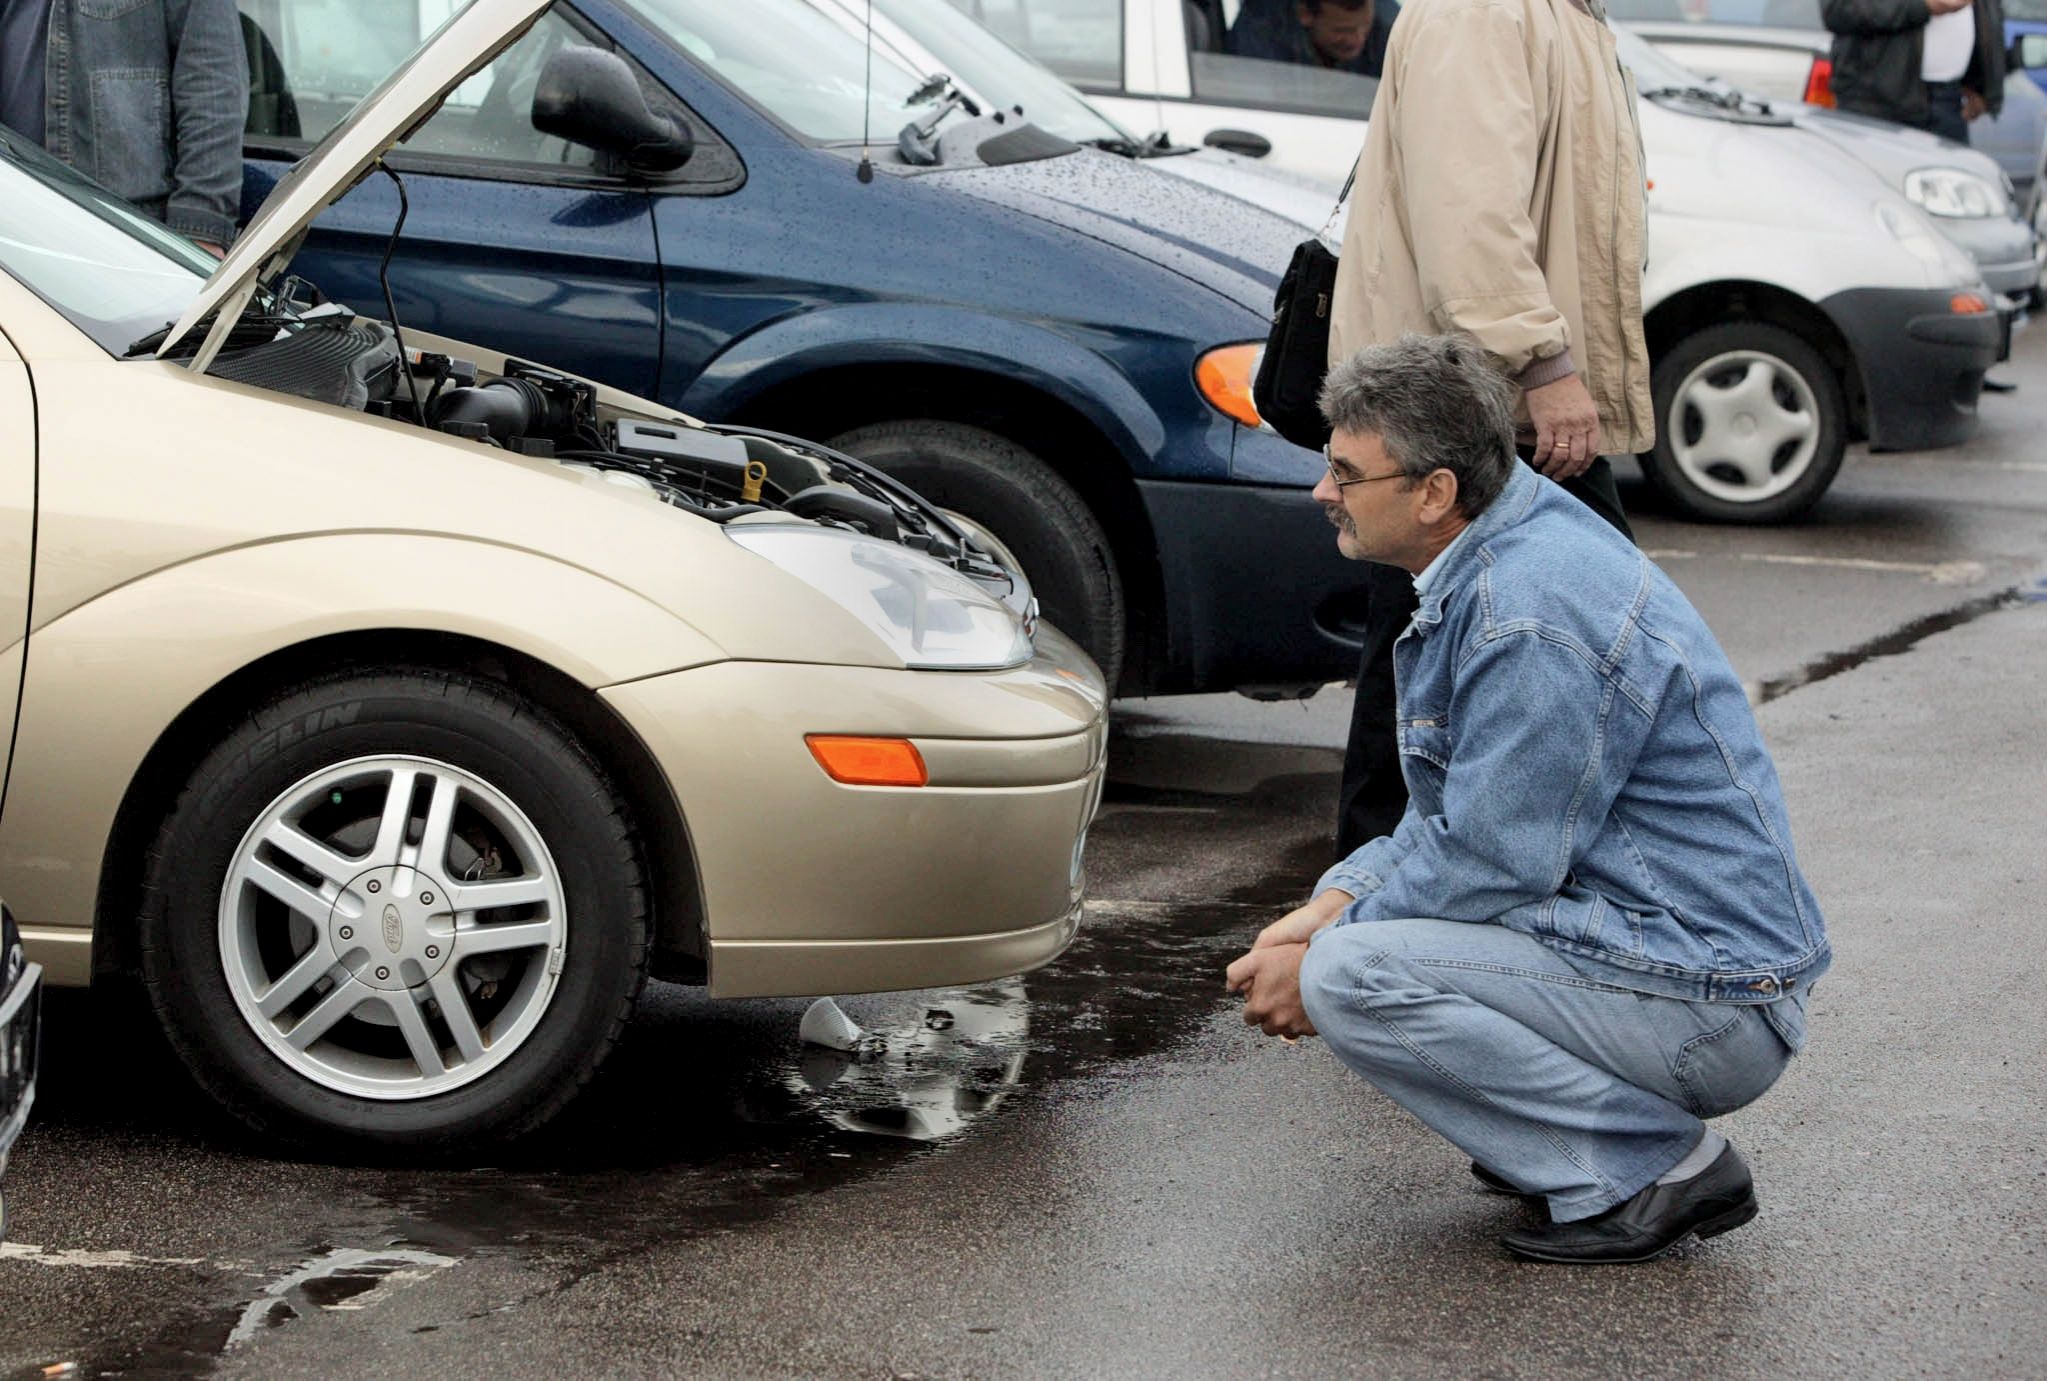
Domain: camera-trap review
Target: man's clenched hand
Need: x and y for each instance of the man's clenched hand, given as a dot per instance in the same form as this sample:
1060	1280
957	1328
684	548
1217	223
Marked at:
1566	427
1270	980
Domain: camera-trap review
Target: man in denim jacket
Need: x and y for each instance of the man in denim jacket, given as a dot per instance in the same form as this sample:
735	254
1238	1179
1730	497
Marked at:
1589	931
146	97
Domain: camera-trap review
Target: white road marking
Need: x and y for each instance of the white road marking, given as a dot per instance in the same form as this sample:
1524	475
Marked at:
90	1261
1936	572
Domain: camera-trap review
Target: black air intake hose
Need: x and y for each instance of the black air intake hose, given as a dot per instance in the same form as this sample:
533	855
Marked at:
508	407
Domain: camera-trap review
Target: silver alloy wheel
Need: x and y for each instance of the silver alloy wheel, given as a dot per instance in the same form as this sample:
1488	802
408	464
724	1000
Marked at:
1744	426
392	927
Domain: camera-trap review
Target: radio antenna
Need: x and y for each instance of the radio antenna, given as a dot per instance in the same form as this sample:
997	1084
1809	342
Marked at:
865	172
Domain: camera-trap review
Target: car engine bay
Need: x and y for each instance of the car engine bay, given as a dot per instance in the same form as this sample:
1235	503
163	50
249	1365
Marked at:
330	354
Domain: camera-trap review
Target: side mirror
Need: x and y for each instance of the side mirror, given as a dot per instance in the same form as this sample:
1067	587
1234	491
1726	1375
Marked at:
1241	141
2027	51
590	97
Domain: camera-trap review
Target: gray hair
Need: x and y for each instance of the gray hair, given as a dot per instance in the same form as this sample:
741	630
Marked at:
1435	403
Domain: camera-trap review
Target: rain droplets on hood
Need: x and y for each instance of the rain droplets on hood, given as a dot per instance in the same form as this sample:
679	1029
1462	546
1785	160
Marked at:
1224	244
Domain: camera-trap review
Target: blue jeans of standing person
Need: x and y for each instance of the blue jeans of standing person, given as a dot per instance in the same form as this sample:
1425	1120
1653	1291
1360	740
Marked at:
1944	111
1561	1084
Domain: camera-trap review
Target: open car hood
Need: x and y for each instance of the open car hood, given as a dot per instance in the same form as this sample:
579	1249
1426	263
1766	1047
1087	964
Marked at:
400	104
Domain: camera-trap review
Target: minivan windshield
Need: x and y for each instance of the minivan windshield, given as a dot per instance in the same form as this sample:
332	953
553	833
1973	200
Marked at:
986	64
111	271
1653	68
797	63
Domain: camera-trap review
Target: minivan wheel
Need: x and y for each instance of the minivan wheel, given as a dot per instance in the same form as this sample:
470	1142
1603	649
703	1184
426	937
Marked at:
1750	425
400	909
1028	507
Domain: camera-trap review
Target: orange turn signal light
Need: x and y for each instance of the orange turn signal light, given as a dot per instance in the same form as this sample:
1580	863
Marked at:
1967	304
1224	378
860	761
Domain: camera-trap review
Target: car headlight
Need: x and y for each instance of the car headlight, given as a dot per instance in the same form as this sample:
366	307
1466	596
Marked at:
1954	193
929	615
1946	265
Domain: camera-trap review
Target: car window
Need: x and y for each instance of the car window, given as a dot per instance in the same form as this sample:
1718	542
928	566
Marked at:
1261	54
999	71
798	64
112	272
310	61
1775	14
1081	40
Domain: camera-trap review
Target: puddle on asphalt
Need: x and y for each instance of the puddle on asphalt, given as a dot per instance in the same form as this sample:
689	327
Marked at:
711	1115
1899	640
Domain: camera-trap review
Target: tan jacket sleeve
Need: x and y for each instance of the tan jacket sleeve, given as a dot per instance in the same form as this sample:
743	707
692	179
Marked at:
1468	143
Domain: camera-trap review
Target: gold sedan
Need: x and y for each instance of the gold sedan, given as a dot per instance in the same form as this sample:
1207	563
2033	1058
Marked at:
394	708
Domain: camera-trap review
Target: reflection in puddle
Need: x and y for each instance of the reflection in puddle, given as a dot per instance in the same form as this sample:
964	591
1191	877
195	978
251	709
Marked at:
344	1279
926	1078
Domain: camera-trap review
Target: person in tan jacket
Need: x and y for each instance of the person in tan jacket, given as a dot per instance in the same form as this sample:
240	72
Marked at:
1500	194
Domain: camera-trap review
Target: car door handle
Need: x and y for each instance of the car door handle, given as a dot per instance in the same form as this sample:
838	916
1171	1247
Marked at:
1241	141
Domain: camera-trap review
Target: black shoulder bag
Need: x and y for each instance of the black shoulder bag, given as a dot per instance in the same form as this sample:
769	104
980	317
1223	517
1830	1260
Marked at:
1297	350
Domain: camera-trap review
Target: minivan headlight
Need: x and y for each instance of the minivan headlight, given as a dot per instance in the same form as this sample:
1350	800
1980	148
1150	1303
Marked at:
1954	193
929	615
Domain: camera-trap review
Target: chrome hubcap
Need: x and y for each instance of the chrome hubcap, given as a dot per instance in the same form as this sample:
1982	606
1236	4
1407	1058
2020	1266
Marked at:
392	927
1744	426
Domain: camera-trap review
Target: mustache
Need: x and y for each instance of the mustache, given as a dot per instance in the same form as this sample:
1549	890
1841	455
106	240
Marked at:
1339	518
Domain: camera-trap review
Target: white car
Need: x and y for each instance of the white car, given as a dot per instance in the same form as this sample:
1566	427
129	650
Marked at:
1795	299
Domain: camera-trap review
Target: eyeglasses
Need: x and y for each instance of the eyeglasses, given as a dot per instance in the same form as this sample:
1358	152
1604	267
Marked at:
1341	483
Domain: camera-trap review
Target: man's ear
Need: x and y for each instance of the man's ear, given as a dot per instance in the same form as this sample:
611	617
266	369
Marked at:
1439	496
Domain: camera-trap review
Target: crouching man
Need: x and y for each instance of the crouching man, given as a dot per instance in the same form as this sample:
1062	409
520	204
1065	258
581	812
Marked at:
1589	931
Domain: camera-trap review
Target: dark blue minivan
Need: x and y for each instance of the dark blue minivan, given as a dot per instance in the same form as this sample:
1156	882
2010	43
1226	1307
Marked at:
1053	340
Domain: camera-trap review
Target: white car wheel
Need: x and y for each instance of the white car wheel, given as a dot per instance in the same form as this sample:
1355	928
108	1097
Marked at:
1749	424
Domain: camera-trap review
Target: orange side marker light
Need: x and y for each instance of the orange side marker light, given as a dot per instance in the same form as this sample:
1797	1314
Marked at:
859	761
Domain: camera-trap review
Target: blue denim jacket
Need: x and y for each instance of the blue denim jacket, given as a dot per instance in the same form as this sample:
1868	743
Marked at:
1582	766
148	98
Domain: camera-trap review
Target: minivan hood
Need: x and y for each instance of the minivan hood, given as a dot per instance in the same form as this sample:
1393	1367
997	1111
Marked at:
403	101
1306	201
1226	245
1892	151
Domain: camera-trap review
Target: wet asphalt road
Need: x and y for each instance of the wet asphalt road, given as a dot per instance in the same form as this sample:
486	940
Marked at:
1096	1169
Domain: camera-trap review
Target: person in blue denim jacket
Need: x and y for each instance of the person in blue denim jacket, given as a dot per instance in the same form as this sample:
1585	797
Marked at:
1589	931
146	97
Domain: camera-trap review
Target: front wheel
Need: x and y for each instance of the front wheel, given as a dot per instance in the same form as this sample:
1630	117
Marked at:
1030	509
1750	425
398	909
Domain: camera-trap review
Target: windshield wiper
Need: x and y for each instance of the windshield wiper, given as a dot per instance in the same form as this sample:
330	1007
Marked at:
1724	97
917	140
1153	145
1726	100
255	328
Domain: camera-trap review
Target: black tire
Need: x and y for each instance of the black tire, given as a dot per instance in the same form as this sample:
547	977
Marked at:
1789	353
1028	507
485	729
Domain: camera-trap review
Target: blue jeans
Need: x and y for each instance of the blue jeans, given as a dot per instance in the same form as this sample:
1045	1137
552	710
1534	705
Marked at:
1562	1084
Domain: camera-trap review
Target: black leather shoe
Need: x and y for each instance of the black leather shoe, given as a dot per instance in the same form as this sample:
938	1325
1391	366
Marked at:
1495	1184
1718	1199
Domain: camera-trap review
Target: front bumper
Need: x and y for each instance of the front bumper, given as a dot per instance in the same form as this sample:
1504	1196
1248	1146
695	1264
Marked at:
811	887
1922	364
1256	591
